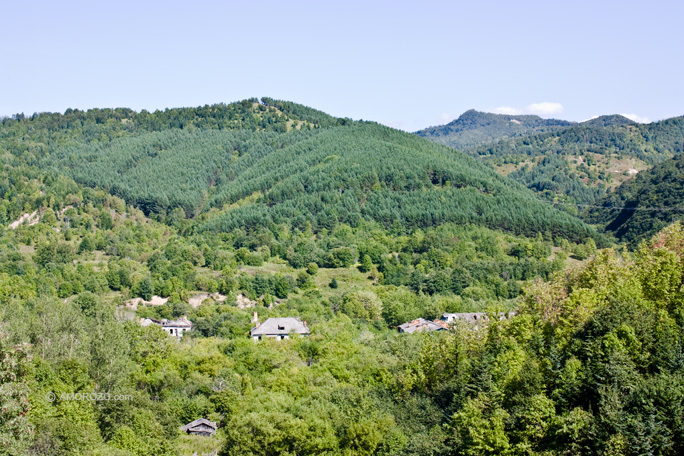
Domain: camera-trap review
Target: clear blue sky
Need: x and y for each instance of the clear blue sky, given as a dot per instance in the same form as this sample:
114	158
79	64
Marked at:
405	64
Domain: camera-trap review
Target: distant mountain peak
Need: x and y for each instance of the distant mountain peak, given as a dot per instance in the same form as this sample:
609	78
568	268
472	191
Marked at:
475	114
608	121
474	128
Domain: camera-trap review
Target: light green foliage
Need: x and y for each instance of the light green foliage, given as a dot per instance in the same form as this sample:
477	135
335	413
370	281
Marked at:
363	305
366	264
312	269
400	305
15	427
591	363
279	433
478	428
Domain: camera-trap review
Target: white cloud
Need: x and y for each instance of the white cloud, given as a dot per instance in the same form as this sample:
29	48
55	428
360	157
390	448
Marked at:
590	118
507	110
545	108
445	118
637	118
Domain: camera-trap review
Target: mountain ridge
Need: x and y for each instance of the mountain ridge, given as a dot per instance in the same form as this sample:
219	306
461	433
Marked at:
582	162
301	165
608	120
474	128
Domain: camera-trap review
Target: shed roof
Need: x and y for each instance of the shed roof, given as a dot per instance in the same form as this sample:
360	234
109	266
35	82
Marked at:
197	422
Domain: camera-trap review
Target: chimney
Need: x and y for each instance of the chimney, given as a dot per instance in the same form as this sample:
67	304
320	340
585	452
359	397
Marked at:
255	318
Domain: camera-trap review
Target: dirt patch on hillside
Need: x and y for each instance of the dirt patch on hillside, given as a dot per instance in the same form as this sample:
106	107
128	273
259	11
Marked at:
243	302
155	301
197	299
30	219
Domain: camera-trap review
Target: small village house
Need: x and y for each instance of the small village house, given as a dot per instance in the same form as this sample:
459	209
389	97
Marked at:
200	426
278	328
175	328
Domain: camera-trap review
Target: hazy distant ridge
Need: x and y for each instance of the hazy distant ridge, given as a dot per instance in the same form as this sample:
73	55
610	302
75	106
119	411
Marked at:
474	128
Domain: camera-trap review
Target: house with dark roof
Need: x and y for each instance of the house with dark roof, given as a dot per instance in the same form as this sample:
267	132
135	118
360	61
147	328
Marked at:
420	324
200	426
279	328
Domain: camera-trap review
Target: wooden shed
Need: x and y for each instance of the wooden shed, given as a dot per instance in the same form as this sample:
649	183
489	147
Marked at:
200	426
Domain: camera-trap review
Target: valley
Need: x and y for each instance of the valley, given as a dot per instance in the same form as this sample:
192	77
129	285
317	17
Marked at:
224	216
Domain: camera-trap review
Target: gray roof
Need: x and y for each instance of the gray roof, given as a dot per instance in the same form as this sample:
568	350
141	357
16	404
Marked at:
148	322
180	323
280	327
473	317
421	324
197	422
470	317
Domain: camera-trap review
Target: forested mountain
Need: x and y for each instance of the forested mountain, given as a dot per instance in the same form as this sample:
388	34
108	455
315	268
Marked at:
608	121
475	128
567	163
644	205
271	207
580	164
333	171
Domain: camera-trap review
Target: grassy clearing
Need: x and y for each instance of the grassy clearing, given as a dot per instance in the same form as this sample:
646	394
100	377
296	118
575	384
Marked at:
348	280
507	168
189	444
26	249
269	268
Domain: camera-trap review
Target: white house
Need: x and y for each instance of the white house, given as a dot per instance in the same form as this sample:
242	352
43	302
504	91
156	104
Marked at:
175	328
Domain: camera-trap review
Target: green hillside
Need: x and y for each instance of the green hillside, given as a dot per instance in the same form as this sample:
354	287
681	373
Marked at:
581	164
608	121
474	128
174	168
644	205
375	173
270	207
337	172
